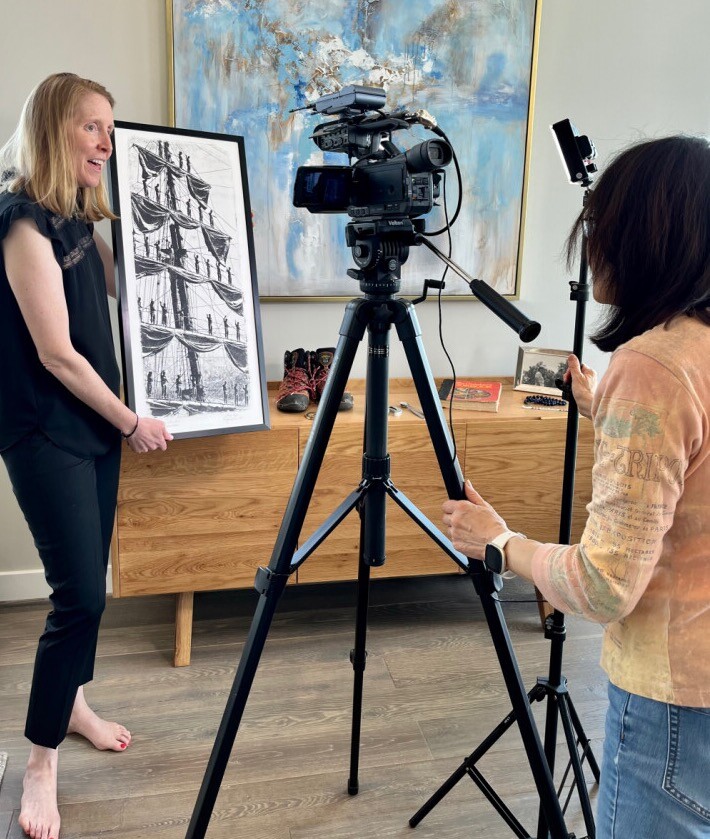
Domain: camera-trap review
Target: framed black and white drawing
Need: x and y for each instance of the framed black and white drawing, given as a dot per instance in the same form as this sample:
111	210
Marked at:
188	300
538	370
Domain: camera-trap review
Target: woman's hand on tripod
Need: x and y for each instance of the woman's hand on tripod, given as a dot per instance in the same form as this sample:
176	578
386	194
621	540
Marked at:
584	383
472	523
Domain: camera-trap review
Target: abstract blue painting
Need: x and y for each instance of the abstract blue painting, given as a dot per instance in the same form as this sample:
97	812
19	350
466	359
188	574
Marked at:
241	66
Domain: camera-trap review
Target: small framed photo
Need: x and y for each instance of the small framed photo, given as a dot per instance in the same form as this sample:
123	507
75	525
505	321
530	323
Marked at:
188	298
538	370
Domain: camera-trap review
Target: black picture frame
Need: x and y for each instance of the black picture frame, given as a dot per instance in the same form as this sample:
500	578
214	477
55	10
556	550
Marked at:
189	316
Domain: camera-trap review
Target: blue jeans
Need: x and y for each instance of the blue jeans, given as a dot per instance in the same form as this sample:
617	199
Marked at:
655	781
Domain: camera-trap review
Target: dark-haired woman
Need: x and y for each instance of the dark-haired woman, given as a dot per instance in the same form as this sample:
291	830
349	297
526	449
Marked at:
61	420
642	567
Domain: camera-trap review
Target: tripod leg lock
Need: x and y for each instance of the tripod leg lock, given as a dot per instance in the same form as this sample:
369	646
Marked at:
554	629
268	582
549	688
358	666
375	468
578	291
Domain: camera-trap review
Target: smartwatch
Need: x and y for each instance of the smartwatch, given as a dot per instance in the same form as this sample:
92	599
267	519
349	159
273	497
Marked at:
494	558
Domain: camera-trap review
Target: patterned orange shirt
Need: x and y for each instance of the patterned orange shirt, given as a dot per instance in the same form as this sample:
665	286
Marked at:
643	564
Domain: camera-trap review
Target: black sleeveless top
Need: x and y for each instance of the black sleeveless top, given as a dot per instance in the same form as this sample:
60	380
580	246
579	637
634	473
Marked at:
31	398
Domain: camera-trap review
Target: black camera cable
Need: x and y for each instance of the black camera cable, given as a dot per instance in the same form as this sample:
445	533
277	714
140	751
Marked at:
447	229
449	224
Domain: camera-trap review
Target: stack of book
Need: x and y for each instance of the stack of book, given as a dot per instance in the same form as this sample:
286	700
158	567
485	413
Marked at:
471	395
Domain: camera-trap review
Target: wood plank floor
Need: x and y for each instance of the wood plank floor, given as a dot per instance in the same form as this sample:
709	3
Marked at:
433	691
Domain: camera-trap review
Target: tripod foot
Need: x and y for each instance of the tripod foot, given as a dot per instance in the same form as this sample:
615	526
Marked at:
353	787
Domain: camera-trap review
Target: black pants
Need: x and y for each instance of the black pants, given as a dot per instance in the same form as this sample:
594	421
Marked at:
69	503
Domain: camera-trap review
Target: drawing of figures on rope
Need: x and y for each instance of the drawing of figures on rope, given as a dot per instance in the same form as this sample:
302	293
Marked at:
191	335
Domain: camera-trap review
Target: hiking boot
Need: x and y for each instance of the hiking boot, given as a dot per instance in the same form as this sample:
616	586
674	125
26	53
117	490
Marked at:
321	361
294	392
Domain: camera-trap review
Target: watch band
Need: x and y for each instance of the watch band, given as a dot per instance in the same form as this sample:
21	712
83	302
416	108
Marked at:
500	541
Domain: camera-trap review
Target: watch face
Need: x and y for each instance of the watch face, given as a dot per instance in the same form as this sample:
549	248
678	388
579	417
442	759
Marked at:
494	559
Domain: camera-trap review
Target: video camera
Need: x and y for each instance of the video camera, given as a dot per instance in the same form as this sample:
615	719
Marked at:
384	182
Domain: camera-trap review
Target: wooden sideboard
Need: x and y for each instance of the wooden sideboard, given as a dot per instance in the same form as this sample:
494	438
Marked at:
205	514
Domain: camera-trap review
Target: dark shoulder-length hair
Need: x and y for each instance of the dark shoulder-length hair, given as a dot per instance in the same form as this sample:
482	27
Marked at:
648	228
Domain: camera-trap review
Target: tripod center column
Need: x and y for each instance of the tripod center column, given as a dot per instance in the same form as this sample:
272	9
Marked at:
376	461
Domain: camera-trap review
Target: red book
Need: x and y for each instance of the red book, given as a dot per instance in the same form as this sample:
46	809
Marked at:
471	395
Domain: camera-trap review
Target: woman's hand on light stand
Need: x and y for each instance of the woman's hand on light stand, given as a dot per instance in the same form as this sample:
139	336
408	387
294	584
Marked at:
584	383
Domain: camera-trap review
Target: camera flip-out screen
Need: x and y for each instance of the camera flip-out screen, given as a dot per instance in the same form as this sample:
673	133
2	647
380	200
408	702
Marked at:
327	188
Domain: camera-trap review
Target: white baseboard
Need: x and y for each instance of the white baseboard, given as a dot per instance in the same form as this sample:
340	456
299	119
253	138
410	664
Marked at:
29	585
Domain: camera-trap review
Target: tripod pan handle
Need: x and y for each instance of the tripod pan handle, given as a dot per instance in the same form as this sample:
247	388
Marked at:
527	329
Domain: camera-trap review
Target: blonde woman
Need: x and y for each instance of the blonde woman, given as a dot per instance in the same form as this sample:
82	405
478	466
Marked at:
61	421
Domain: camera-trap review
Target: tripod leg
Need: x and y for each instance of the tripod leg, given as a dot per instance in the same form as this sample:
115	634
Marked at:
583	740
373	511
526	723
550	752
467	767
440	794
351	332
234	710
577	767
358	657
410	335
556	631
272	581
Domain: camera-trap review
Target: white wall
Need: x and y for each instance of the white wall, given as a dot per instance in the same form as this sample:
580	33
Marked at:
620	71
122	45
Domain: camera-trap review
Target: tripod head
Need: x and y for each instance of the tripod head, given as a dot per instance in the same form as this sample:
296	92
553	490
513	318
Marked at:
380	248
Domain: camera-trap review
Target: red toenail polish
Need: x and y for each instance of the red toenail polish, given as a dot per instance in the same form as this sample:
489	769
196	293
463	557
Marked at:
123	745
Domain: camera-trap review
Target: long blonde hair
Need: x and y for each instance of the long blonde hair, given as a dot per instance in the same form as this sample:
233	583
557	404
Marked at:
38	158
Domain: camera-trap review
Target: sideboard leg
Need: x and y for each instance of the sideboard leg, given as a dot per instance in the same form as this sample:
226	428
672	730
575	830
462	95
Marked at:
183	628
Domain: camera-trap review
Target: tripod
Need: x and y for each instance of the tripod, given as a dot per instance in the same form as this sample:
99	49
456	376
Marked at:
376	313
554	686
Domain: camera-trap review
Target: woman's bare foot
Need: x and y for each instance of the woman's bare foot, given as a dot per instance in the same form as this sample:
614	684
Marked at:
39	816
101	733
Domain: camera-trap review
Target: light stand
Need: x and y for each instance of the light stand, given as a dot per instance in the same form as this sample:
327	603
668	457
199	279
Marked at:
379	310
576	152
